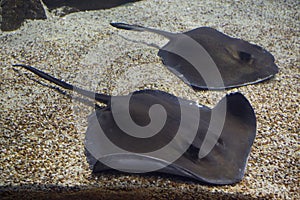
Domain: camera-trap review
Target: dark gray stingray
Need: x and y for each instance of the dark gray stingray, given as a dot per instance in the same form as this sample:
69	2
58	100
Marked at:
238	62
225	163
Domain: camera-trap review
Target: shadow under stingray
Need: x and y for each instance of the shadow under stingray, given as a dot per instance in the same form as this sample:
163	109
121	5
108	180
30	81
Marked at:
50	191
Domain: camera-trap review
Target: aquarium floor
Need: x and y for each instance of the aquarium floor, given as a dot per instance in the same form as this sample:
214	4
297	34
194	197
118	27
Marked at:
42	130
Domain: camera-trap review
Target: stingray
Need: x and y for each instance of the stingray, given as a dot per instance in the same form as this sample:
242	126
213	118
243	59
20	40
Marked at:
193	141
205	58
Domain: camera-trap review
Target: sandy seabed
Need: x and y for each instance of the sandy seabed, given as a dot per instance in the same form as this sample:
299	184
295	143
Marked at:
42	131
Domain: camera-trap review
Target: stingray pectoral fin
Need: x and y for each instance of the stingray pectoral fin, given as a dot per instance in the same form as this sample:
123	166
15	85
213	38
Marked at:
226	162
128	162
233	147
256	64
136	163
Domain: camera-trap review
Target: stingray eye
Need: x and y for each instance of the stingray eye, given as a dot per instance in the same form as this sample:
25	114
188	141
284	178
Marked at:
220	142
244	56
239	55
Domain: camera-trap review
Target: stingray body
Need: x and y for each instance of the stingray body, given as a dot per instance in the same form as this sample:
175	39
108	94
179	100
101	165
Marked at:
225	163
237	61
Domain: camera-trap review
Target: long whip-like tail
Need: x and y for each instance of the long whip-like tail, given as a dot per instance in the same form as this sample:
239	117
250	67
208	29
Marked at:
141	28
97	96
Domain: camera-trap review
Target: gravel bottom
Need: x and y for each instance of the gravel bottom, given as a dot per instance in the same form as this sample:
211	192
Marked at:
42	131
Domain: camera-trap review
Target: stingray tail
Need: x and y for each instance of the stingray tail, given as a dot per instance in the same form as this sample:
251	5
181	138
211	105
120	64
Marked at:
141	29
98	97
